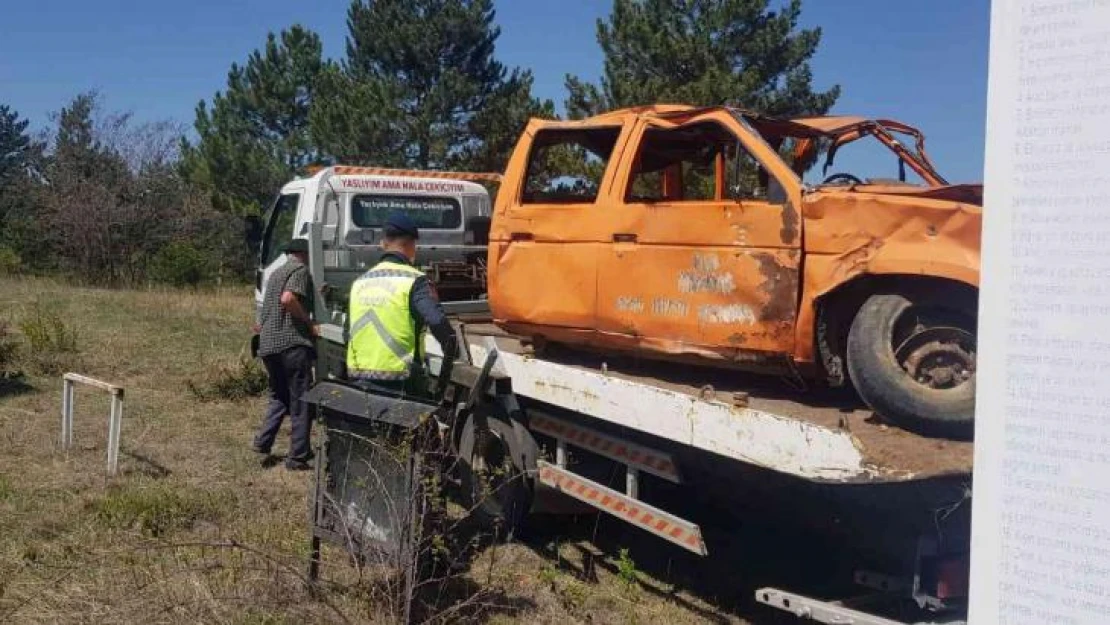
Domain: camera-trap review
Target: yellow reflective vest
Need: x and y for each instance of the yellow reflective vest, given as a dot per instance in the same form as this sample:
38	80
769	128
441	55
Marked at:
382	341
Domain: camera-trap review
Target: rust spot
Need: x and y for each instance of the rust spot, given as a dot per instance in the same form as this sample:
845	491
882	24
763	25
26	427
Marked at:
789	232
738	339
781	286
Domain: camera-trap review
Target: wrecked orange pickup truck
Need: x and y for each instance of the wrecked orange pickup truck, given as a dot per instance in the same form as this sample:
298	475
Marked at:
688	234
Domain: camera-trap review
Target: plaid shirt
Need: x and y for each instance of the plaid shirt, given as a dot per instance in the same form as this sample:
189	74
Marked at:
280	331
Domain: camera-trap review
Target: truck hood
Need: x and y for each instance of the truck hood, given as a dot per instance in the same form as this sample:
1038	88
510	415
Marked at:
963	193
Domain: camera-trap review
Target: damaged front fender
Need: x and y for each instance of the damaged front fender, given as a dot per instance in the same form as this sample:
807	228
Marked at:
851	235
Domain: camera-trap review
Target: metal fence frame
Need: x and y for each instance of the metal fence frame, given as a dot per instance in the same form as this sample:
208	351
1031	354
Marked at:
115	416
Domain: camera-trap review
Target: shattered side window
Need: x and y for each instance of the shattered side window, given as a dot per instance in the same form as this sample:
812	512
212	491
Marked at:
567	166
685	164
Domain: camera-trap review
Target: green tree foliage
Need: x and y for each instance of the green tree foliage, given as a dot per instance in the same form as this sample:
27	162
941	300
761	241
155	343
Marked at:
19	159
16	148
704	52
85	179
106	198
421	88
180	264
254	136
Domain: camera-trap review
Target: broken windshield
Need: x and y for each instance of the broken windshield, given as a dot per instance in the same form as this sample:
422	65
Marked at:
866	159
847	150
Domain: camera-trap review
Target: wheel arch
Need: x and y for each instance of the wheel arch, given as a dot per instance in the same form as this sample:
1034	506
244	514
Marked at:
837	307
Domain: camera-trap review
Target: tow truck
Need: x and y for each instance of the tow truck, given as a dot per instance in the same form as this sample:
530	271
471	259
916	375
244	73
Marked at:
563	423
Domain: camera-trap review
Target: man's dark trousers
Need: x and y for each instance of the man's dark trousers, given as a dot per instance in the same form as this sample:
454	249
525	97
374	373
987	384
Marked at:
289	374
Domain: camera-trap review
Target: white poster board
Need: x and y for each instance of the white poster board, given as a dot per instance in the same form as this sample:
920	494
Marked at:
1041	516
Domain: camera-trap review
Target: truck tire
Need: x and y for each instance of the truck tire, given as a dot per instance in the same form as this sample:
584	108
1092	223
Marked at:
495	473
912	360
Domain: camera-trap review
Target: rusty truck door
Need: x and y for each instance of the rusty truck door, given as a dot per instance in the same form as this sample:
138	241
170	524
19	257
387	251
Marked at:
547	234
693	266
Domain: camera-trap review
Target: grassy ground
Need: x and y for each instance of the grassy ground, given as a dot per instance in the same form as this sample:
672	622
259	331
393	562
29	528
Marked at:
194	529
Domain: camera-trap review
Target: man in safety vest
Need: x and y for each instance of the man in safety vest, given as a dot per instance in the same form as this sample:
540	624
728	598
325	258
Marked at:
392	306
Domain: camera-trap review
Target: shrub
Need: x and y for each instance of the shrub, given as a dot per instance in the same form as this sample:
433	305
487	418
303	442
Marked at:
180	264
626	569
9	351
10	262
246	378
51	340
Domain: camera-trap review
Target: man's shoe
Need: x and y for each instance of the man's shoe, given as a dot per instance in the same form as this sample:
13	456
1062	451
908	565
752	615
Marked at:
259	450
297	465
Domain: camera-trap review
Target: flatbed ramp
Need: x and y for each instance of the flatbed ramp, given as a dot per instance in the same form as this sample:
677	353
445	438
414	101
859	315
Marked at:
811	434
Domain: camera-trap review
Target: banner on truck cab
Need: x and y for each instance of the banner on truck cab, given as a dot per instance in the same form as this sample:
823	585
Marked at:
1041	516
371	211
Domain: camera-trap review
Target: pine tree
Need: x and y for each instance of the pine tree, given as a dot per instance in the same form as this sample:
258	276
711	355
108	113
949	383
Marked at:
255	135
16	149
420	87
19	157
704	52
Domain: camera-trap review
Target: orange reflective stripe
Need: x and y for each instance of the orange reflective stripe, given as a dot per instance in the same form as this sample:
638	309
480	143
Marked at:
348	170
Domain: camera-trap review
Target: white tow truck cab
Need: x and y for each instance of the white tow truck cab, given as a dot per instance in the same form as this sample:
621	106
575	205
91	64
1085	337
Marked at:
451	209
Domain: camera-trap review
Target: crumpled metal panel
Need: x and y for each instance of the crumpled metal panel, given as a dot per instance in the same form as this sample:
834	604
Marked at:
853	233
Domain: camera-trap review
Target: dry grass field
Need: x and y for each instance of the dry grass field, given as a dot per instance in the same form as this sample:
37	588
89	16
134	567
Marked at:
194	529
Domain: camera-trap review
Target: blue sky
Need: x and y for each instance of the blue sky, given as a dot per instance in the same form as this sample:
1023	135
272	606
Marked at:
923	62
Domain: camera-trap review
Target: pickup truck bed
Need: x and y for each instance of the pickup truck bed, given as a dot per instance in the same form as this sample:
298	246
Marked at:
814	434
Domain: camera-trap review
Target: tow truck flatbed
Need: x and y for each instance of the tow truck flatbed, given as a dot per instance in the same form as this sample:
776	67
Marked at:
760	420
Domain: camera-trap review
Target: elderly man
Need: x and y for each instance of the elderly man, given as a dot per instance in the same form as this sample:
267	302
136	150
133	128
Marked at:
391	307
286	346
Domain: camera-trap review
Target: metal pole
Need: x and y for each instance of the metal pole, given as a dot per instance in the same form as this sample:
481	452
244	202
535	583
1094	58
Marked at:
318	493
560	453
67	414
115	418
65	411
632	482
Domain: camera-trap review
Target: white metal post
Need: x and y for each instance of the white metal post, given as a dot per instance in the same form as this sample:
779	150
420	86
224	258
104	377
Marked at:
115	415
67	413
115	421
560	453
72	404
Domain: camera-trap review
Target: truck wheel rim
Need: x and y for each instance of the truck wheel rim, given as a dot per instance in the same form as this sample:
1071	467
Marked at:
941	358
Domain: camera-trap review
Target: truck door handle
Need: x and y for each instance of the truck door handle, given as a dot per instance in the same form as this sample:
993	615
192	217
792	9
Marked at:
624	237
521	236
